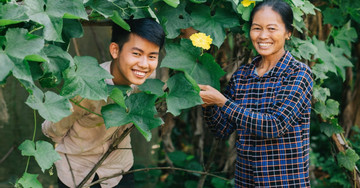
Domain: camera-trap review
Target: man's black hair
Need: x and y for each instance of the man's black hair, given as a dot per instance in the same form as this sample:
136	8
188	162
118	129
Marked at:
146	28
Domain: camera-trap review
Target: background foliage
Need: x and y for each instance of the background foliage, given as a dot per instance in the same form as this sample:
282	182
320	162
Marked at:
35	36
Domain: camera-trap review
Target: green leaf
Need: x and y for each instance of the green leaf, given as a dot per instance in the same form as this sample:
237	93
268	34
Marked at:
141	112
118	20
6	66
321	93
331	16
12	13
107	7
29	181
214	24
331	128
66	9
348	159
118	97
343	38
153	86
72	29
178	158
183	94
198	1
20	44
86	79
326	57
303	48
173	3
173	19
52	25
331	108
44	153
185	57
51	106
340	61
320	70
218	183
58	61
190	184
245	11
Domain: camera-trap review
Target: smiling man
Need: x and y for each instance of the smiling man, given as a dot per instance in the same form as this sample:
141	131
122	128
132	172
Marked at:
82	138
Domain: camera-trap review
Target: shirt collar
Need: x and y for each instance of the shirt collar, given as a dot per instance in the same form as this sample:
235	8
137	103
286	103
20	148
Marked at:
276	71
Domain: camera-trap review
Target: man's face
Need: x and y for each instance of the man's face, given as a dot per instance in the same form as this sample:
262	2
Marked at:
135	62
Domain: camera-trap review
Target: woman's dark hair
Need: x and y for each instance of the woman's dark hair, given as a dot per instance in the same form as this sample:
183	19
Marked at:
146	28
279	6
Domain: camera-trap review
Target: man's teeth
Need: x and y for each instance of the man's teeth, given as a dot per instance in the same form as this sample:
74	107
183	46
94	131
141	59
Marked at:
139	73
264	44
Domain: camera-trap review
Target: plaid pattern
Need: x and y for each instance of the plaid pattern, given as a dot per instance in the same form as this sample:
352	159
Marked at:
271	116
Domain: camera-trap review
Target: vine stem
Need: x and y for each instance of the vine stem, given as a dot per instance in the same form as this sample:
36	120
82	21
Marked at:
112	147
155	168
79	105
33	139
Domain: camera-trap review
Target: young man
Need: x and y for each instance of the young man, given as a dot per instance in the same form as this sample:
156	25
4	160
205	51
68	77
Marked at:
82	138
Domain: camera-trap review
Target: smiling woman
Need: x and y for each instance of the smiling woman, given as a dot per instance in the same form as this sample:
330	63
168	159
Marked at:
268	104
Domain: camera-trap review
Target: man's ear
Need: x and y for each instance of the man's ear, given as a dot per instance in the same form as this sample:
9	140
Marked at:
114	50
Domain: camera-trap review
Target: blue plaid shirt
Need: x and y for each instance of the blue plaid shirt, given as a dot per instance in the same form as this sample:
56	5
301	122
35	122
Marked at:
271	117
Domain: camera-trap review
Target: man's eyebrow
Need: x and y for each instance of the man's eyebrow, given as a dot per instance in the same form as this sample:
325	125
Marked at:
142	51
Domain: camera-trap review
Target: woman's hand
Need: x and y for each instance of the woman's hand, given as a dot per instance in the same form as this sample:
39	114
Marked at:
211	96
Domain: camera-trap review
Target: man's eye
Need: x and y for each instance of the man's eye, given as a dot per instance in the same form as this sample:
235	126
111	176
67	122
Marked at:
153	57
136	54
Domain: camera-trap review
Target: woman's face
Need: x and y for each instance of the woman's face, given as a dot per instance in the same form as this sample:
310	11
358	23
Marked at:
268	33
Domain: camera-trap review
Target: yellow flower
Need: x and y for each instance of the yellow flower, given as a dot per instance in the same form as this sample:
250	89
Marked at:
247	3
201	40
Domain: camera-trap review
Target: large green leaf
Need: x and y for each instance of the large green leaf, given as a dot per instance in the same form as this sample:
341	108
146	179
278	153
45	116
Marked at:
20	44
173	3
12	13
6	66
185	57
303	48
325	56
341	62
73	9
331	108
86	79
348	159
107	7
321	93
52	25
140	111
334	17
343	38
153	86
331	128
183	94
44	153
29	181
52	17
214	24
173	19
51	106
59	60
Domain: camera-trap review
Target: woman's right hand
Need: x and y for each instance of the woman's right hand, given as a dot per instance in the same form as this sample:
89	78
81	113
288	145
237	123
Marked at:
211	96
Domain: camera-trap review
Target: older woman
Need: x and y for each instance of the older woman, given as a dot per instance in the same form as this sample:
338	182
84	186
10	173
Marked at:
268	104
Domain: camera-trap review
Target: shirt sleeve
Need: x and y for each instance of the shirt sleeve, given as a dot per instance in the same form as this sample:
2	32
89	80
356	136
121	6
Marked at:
215	117
56	131
294	96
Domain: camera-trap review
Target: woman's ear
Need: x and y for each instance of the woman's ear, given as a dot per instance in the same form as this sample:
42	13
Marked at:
114	50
